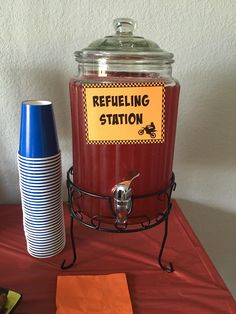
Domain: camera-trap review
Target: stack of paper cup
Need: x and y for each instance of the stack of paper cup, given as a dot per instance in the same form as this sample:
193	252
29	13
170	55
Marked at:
39	164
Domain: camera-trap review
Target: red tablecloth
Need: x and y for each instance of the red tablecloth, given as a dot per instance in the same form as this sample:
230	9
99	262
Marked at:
195	286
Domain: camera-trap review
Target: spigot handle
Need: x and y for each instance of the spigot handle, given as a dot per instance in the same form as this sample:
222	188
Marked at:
125	184
128	182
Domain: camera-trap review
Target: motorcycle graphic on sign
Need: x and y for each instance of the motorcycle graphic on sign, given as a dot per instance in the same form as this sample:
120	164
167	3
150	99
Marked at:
150	129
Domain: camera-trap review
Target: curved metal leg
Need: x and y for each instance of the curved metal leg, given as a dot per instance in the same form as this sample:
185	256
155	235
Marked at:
63	266
170	267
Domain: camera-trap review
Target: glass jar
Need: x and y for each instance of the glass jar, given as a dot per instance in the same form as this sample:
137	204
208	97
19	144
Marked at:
124	104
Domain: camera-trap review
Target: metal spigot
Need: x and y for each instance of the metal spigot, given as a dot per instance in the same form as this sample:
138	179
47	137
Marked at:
123	200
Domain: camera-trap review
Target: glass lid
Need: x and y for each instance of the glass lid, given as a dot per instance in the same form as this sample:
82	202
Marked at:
124	48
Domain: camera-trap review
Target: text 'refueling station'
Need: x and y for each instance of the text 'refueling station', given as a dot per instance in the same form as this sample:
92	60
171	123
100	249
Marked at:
123	113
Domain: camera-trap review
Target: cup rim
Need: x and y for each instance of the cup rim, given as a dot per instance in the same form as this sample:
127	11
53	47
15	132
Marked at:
39	174
37	102
35	229
41	186
43	208
58	174
40	235
46	251
45	237
37	164
45	246
52	180
47	254
45	233
47	242
35	213
32	192
43	159
41	217
46	206
46	223
28	214
54	227
40	197
40	183
25	163
61	240
36	206
48	220
40	202
41	189
39	168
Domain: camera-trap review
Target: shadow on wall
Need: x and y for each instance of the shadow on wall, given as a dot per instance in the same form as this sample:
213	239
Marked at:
9	180
207	127
50	83
215	229
46	83
53	84
205	163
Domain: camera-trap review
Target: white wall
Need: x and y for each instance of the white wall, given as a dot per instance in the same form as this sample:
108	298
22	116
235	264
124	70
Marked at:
37	41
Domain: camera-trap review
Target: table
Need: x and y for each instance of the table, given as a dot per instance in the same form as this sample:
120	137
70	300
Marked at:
194	287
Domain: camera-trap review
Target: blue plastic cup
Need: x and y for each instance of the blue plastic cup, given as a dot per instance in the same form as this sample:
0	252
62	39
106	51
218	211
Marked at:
38	135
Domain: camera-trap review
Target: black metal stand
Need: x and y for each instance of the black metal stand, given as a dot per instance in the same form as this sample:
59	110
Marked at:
109	224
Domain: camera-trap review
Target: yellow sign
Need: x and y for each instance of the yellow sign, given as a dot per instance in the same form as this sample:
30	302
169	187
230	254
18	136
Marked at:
124	113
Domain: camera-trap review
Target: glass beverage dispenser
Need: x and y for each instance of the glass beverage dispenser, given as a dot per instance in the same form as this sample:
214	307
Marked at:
124	104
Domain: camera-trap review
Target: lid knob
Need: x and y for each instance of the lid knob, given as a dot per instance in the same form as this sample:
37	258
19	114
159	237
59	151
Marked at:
124	26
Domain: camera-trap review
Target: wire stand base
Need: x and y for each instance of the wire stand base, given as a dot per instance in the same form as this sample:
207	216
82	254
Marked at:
108	223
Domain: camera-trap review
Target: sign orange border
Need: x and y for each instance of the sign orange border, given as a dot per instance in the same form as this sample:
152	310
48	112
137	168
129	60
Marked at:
96	135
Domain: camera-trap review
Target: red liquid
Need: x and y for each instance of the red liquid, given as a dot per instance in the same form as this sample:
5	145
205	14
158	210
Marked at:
98	168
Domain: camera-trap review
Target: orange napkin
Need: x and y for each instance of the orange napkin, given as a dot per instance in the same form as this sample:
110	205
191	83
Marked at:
100	294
